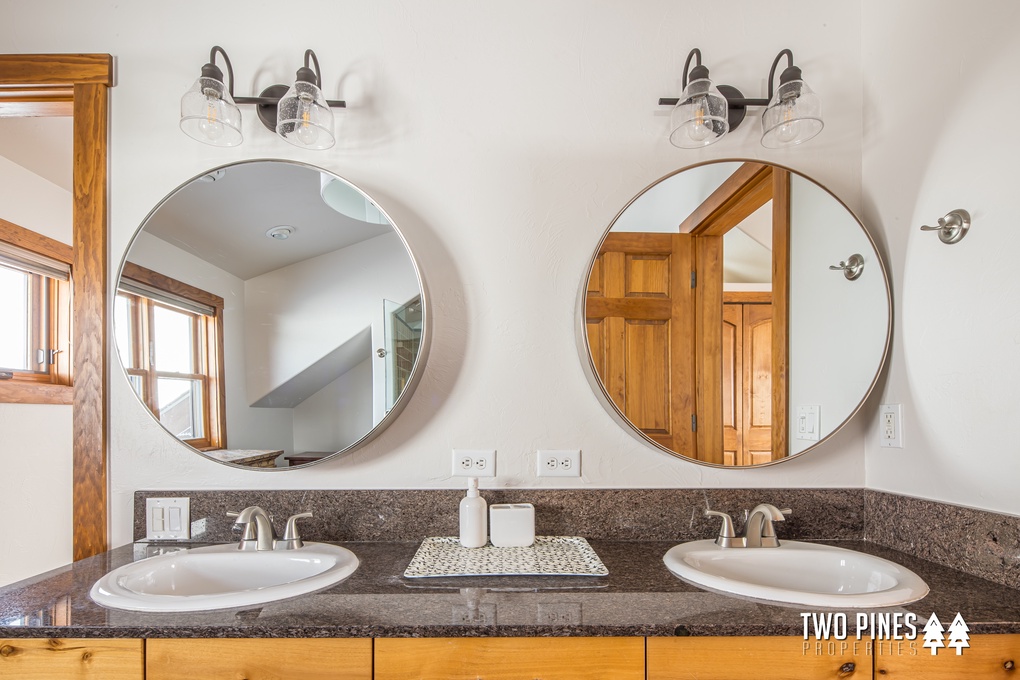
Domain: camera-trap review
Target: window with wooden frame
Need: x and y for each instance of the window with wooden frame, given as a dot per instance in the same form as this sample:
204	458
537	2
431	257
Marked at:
35	306
170	339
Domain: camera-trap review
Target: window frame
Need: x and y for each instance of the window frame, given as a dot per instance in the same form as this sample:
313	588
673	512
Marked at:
56	385
208	337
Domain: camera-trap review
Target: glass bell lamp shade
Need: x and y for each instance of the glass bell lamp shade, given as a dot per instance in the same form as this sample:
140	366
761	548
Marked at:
793	116
700	117
303	118
208	114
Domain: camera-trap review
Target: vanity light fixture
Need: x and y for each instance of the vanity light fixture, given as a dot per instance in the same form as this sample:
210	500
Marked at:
704	113
299	113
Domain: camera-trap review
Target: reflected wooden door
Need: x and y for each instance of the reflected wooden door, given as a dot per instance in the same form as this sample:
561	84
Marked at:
747	383
640	325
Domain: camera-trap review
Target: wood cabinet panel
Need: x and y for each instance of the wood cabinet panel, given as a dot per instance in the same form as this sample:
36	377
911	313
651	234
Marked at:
510	659
761	658
259	659
988	657
71	659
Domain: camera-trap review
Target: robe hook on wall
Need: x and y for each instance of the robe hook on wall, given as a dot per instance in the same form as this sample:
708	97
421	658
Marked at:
951	228
852	267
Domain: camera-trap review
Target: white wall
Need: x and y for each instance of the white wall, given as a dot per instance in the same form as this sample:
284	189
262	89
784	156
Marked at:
35	439
298	314
502	139
838	328
933	69
337	415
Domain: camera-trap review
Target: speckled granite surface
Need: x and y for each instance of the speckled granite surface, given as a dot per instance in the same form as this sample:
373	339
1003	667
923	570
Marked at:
985	544
638	598
611	514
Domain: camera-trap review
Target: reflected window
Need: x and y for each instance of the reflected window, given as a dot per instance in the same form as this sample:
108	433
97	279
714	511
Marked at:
169	338
35	305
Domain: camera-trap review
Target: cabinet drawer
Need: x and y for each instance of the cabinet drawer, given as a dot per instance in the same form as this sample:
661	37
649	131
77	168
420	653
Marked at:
72	659
510	659
761	658
259	659
988	657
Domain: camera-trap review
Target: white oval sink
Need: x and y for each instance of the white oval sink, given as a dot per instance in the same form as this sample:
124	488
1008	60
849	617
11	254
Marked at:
221	576
797	573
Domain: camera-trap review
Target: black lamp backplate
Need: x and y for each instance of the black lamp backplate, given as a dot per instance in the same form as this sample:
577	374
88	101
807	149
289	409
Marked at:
736	111
267	112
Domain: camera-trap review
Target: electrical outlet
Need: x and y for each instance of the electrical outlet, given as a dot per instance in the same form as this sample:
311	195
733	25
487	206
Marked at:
890	421
559	614
559	463
474	462
482	614
167	519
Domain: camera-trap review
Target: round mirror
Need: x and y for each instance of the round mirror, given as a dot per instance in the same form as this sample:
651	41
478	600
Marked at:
735	314
269	314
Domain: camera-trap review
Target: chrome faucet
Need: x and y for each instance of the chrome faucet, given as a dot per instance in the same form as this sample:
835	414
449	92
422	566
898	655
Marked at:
259	534
258	529
758	531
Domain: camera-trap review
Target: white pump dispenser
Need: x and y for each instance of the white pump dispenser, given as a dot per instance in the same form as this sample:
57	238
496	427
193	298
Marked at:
474	517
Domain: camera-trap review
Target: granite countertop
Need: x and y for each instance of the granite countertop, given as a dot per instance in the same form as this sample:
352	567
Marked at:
640	597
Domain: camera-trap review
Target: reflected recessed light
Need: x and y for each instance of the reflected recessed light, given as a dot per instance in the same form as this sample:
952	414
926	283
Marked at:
281	233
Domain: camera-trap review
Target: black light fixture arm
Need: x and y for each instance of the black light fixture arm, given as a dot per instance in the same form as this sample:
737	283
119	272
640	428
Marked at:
734	98
271	95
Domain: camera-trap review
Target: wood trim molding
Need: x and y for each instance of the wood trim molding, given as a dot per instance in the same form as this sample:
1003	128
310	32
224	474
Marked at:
35	393
20	70
743	192
780	311
37	243
90	510
749	297
136	272
89	77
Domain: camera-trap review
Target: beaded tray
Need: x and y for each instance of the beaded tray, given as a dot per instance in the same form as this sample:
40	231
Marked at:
548	556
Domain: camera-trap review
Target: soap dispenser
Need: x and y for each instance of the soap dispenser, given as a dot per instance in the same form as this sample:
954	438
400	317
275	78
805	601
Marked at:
474	517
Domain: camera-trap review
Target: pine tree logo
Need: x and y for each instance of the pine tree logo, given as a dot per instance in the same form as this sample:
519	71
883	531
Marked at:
958	634
933	634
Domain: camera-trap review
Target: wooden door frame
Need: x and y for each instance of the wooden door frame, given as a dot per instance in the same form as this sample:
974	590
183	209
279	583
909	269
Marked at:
78	85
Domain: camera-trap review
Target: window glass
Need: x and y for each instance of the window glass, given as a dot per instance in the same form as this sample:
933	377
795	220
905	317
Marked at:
174	335
180	407
122	329
14	310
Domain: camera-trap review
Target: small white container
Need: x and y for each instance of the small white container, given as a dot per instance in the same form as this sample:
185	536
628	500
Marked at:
512	525
473	517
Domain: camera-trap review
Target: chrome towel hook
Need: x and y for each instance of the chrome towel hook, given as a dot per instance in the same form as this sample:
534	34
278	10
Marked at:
953	227
851	267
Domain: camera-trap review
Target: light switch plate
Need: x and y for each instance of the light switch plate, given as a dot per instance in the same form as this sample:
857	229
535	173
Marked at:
809	420
167	519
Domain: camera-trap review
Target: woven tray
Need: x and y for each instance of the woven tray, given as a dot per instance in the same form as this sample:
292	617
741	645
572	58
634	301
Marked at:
548	556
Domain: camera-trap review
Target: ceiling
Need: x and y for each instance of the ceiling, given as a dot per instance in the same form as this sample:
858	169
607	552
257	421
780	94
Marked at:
224	220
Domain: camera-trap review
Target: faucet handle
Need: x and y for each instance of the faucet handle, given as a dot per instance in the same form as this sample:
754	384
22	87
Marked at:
291	537
726	530
785	511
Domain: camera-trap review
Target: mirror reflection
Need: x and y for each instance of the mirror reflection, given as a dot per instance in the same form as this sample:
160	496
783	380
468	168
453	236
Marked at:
268	314
719	325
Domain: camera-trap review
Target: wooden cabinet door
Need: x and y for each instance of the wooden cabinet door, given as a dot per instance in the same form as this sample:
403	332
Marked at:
71	659
747	383
510	658
760	658
259	659
988	657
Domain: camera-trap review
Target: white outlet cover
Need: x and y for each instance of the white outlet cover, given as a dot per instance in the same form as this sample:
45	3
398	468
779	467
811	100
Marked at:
474	463
559	462
893	412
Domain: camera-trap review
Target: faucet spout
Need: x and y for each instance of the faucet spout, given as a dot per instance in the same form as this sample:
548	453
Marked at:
759	532
263	536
